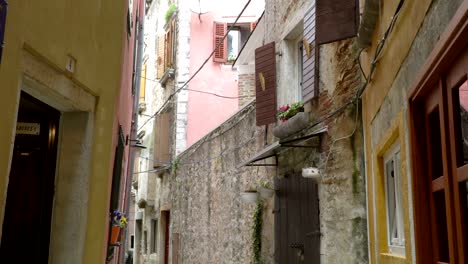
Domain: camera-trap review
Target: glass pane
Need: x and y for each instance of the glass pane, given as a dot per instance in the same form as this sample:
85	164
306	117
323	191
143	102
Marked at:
463	133
233	44
435	145
441	225
391	203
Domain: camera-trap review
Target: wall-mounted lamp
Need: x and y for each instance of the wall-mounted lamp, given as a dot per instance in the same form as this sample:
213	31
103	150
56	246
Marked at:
137	143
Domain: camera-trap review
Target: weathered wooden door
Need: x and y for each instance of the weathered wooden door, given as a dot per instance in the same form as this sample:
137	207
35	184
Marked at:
297	225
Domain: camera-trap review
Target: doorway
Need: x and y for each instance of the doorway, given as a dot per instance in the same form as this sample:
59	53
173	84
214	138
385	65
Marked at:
297	224
166	221
28	210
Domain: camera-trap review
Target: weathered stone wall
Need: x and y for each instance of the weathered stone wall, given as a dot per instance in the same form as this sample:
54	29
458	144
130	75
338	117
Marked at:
214	224
246	83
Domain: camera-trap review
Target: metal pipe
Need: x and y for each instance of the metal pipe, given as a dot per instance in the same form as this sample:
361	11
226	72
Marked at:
367	26
136	85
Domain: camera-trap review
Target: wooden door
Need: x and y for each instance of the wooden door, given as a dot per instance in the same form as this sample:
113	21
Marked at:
440	157
456	85
28	211
297	225
167	222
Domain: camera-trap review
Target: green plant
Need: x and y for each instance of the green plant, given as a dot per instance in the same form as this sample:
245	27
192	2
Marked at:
285	112
265	184
172	8
257	233
175	166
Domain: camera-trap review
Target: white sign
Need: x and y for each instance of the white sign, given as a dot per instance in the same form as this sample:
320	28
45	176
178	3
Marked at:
28	128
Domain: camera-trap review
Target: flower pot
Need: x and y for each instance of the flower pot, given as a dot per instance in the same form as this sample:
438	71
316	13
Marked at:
249	197
115	232
265	193
311	173
292	125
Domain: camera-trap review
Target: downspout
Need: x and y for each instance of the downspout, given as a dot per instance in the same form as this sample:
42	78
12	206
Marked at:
364	39
369	18
133	133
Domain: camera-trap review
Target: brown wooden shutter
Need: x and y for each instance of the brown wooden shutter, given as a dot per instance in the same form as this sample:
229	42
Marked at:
309	57
162	154
143	83
168	52
336	20
219	30
161	50
265	84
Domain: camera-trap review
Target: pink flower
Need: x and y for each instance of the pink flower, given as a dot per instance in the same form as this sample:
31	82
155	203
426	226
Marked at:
284	108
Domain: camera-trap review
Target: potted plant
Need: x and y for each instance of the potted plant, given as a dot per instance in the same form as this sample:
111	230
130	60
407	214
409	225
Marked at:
119	221
293	119
265	190
249	196
286	112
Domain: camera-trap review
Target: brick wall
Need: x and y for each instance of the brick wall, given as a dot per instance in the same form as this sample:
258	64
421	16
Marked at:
246	84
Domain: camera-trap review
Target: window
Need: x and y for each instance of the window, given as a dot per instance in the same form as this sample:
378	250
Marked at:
300	66
229	49
236	40
145	242
154	236
132	242
395	226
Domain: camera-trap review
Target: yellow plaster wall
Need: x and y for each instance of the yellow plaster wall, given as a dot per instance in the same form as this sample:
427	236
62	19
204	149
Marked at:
396	49
92	31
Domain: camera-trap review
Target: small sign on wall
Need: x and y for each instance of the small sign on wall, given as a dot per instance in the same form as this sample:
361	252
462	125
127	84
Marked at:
28	128
3	13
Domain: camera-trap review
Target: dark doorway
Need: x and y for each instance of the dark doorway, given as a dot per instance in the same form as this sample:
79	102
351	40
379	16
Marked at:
297	225
28	211
166	216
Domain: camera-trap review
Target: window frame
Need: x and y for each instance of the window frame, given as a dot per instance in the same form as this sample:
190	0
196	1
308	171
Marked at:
394	154
154	236
300	67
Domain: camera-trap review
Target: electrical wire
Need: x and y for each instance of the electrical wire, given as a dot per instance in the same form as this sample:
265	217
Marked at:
200	68
358	95
200	91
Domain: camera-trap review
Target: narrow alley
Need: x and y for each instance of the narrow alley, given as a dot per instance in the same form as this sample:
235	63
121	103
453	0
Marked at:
234	132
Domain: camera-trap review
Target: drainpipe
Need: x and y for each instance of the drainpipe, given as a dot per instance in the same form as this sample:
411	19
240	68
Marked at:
369	18
134	129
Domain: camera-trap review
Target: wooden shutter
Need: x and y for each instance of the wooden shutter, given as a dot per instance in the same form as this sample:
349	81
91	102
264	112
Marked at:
336	20
219	30
168	51
143	83
265	84
161	152
309	57
252	26
161	50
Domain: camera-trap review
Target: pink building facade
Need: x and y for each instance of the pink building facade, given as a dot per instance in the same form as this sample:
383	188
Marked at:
213	94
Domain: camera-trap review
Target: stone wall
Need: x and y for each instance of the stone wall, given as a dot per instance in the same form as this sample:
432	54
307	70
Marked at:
214	224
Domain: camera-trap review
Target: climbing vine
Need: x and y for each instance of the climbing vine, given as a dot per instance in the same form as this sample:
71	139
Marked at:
257	233
175	166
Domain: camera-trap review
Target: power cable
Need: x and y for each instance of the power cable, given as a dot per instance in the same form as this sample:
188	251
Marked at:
200	68
358	95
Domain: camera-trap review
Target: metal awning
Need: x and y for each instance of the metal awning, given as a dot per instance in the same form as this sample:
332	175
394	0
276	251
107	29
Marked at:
274	149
